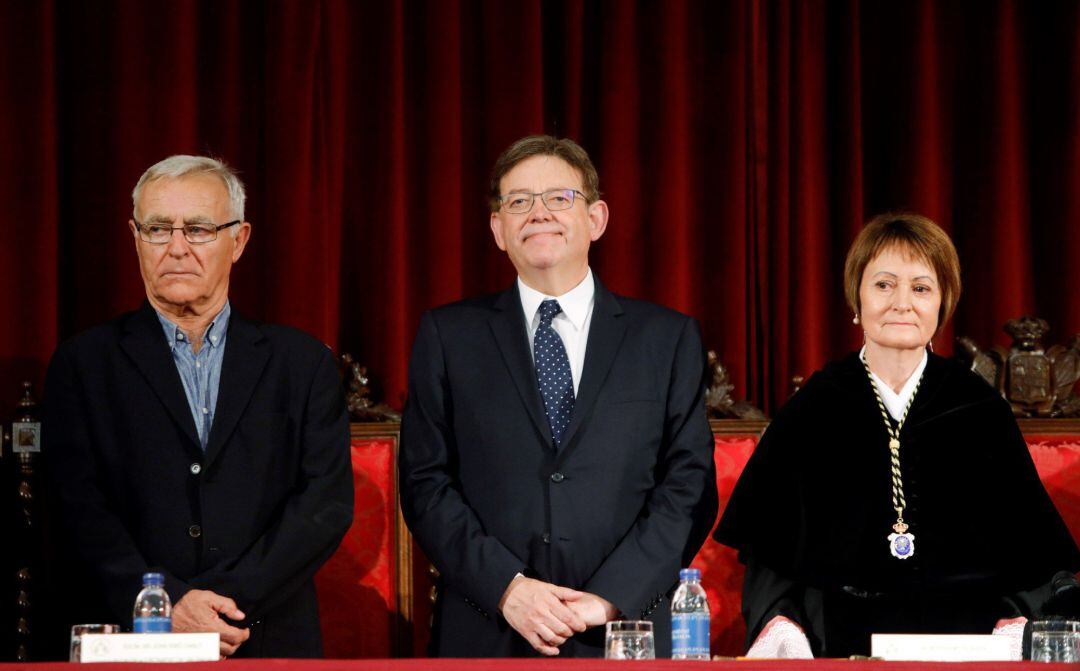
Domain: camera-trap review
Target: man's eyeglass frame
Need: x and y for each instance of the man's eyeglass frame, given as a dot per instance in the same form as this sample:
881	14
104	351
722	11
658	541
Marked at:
503	200
145	236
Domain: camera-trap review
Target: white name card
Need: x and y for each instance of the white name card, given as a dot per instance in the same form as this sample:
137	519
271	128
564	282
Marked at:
150	648
942	648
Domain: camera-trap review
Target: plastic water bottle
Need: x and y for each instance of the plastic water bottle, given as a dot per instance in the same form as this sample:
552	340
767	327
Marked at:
153	610
690	618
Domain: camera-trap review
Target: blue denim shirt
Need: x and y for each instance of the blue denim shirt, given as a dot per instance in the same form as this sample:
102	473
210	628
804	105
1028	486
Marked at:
200	373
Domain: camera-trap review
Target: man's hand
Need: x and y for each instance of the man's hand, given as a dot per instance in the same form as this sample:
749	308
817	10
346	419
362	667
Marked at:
594	610
536	610
201	610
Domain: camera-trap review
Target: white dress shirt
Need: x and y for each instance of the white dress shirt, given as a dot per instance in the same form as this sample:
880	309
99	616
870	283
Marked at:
572	324
897	403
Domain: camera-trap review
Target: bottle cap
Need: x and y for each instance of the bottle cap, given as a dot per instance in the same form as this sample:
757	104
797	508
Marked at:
154	579
690	574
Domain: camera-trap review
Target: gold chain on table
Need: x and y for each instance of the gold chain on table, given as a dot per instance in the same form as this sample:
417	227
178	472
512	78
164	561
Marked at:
894	447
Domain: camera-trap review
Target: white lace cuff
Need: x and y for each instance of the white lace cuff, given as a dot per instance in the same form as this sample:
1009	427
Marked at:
1014	629
781	639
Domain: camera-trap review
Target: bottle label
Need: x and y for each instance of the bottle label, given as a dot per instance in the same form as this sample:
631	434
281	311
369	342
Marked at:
153	625
690	634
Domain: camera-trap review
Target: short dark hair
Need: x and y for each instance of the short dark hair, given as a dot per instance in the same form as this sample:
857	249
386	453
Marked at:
916	235
545	145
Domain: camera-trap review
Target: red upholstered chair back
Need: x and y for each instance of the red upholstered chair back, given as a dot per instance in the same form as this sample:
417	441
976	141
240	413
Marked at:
1057	458
721	572
365	589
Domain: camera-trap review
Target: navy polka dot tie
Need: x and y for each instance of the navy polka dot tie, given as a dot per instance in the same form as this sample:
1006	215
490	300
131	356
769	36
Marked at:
553	372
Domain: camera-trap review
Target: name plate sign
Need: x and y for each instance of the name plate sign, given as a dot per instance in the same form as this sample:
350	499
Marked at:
942	648
150	648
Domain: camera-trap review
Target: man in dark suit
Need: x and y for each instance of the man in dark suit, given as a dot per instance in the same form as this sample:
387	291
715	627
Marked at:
556	462
185	439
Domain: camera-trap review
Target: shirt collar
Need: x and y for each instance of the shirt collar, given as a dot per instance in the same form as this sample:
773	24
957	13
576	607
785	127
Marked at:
575	303
909	386
214	335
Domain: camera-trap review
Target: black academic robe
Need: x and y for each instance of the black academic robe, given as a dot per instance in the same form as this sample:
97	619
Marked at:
812	511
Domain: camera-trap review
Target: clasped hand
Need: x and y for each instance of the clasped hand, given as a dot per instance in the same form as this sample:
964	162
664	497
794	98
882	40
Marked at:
546	614
201	610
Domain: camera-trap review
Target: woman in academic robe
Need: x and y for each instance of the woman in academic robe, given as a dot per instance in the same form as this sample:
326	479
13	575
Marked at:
894	493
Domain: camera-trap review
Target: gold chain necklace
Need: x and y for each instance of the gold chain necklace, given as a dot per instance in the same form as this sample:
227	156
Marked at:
901	543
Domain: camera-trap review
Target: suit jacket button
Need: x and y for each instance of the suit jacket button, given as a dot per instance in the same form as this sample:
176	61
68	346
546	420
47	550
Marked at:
196	469
546	538
557	477
194	531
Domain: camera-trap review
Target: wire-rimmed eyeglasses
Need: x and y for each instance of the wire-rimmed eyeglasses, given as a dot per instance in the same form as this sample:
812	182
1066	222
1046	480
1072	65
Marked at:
196	234
520	202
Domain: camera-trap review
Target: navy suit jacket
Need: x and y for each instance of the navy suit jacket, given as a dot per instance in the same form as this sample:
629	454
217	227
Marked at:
623	504
252	519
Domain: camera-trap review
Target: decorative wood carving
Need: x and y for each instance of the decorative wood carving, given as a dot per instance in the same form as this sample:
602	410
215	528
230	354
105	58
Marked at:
738	427
358	394
797	382
433	594
1061	426
1037	381
718	400
25	445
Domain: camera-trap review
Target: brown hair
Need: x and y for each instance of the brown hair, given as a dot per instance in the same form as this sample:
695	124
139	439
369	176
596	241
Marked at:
916	235
545	145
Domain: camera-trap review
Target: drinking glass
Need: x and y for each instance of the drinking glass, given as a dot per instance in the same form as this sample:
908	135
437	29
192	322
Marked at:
1055	641
629	639
77	632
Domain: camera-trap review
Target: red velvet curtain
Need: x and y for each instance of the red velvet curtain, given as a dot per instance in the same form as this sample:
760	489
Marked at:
740	145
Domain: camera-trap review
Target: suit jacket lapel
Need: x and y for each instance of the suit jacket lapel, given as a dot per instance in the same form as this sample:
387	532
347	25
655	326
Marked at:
144	343
246	354
511	336
605	336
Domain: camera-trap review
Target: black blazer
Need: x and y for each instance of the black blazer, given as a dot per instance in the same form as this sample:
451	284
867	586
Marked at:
253	518
617	510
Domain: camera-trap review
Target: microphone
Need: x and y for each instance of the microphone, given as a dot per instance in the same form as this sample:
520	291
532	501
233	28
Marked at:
1064	598
1063	604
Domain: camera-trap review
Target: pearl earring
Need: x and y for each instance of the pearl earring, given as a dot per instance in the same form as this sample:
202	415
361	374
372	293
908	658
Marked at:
855	319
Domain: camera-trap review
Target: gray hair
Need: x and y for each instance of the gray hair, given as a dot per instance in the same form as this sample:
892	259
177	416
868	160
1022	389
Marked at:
183	165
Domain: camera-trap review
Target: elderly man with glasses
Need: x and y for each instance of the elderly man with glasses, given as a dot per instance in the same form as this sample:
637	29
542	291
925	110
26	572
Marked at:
185	439
556	461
